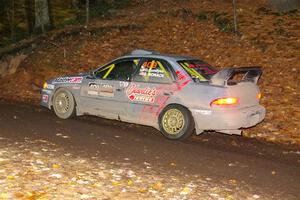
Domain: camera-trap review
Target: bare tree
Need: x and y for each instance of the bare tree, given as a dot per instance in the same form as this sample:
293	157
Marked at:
51	19
234	16
10	11
87	5
75	4
29	12
41	14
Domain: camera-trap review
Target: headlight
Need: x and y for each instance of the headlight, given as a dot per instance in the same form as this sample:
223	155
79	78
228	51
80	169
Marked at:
45	85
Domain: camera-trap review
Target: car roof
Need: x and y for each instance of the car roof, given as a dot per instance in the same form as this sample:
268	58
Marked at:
154	54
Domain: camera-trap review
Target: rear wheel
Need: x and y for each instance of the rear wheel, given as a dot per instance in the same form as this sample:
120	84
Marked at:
176	122
63	104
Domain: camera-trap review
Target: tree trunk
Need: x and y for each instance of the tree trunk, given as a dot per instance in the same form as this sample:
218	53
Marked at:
41	14
234	16
87	5
51	19
75	4
29	12
11	19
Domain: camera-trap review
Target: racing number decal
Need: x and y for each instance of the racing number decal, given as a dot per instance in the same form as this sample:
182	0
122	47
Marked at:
150	64
153	69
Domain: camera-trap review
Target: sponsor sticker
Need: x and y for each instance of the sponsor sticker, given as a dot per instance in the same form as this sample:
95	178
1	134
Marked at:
104	90
92	92
45	98
76	87
50	86
94	86
123	84
47	91
135	93
68	80
151	73
204	112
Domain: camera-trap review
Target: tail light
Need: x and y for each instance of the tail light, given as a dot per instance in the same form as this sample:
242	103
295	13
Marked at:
225	101
258	96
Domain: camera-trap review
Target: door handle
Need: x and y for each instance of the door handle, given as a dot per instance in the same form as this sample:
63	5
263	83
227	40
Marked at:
167	93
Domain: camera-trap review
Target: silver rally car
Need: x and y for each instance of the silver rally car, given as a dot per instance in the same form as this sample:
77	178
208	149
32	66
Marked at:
174	94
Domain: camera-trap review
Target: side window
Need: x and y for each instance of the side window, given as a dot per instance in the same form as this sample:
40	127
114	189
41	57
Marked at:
153	71
197	69
119	70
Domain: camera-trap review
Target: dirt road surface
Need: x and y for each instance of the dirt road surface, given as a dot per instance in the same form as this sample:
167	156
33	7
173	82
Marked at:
43	157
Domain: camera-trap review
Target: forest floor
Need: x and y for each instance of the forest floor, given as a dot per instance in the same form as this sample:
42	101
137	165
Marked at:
43	157
195	28
41	170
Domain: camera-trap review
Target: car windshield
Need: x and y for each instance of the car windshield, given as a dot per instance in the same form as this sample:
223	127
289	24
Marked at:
198	70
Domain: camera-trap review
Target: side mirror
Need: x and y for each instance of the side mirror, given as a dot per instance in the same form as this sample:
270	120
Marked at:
91	75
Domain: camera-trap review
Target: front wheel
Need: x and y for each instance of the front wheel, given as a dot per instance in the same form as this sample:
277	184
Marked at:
63	104
176	122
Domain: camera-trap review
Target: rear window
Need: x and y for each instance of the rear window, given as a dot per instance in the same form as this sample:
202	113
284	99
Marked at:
198	70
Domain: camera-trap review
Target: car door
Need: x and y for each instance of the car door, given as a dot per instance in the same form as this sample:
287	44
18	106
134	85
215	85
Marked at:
104	94
149	91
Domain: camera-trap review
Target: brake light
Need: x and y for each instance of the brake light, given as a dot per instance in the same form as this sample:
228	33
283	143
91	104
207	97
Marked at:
224	101
258	96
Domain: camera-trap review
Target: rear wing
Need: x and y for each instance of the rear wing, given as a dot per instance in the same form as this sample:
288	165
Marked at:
226	76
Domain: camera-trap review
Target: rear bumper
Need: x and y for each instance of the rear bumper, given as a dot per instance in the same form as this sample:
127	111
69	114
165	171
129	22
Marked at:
232	119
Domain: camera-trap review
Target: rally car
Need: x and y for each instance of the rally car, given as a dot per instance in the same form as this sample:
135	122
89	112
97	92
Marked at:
177	95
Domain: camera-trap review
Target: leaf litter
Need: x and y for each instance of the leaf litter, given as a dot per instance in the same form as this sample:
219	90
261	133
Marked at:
28	172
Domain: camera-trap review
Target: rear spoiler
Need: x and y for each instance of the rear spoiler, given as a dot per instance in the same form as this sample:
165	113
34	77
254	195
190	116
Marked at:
250	74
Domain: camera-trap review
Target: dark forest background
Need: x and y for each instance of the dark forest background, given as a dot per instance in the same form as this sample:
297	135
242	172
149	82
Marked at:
20	19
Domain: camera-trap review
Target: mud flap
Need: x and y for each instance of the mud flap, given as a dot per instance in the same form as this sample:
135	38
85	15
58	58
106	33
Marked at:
199	131
231	132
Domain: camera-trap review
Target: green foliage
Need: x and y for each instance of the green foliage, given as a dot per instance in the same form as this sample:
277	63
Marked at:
223	22
63	13
20	32
68	16
266	11
5	41
106	8
203	16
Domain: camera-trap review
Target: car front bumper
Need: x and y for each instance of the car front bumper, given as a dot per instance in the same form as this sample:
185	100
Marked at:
224	120
46	96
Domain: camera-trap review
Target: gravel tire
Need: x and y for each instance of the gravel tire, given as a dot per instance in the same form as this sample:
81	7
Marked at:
176	122
63	104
